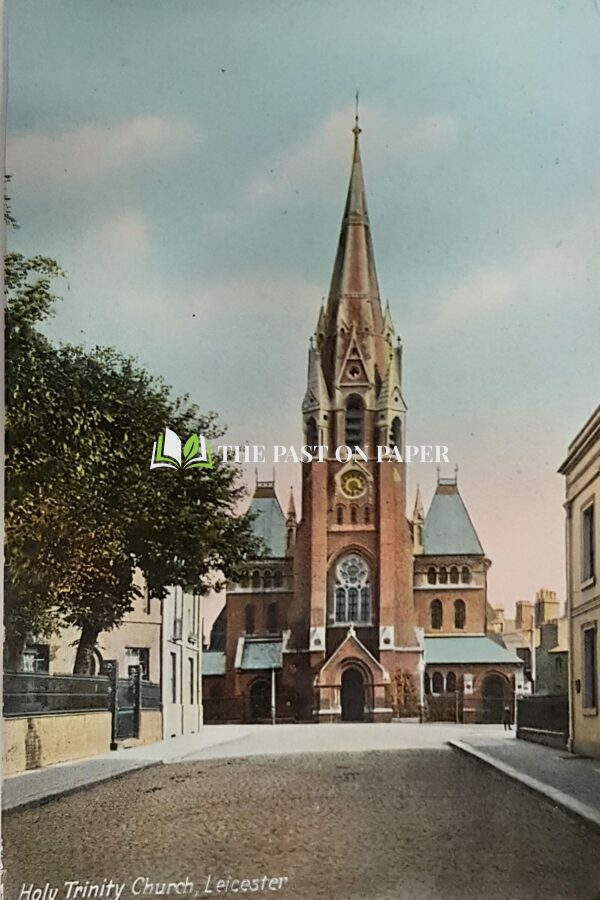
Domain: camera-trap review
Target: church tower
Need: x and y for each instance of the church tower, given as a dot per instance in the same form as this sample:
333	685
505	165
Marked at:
354	615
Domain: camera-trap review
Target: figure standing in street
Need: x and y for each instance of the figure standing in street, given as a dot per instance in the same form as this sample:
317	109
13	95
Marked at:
506	718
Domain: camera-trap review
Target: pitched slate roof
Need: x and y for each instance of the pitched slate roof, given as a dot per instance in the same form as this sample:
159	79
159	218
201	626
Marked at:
270	522
261	653
213	663
448	530
467	649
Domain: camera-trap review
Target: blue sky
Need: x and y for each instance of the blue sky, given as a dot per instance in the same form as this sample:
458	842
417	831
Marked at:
186	163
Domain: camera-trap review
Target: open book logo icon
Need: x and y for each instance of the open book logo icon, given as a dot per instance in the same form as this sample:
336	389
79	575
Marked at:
168	452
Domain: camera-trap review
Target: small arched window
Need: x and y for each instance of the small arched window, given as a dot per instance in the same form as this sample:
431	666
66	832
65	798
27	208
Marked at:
453	575
244	580
436	614
278	579
267	580
367	515
426	683
312	433
353	515
460	614
437	683
443	576
431	575
396	434
465	575
451	682
250	618
256	579
354	421
340	515
272	618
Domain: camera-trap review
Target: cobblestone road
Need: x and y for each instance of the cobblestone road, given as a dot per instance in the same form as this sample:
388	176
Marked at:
414	825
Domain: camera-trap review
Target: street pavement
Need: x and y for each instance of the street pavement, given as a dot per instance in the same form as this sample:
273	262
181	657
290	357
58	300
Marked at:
221	741
419	823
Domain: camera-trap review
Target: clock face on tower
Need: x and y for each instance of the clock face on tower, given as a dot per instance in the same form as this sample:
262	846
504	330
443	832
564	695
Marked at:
354	483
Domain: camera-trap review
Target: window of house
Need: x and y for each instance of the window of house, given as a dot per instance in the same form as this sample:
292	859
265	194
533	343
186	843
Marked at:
431	575
250	618
353	515
590	670
267	580
244	580
460	613
173	678
340	515
354	421
192	681
367	515
443	576
437	683
588	559
436	614
272	618
453	575
140	656
426	683
352	590
450	682
256	579
465	575
278	579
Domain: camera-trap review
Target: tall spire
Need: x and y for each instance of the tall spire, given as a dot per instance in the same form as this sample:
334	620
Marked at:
354	291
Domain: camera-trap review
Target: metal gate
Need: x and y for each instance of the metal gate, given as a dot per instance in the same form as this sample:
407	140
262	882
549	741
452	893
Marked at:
125	702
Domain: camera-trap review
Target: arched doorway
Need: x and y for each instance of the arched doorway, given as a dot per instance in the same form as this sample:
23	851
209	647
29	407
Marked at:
260	701
492	699
353	695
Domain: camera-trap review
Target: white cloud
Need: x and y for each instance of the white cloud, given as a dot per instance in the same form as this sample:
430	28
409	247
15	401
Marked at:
554	265
93	150
315	160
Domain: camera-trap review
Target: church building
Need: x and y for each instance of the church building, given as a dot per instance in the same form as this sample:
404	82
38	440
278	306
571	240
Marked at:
354	612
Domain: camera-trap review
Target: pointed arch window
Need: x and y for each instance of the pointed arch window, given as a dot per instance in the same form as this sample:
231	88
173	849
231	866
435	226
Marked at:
352	590
278	579
460	614
396	433
451	682
465	575
354	421
437	616
250	618
431	575
353	515
312	433
453	575
443	576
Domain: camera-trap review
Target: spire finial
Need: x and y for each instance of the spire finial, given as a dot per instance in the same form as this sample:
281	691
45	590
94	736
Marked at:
357	129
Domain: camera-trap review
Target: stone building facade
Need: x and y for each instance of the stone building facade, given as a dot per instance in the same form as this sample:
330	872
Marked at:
340	617
581	469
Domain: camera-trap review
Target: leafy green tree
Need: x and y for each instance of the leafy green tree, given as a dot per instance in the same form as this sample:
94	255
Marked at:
84	508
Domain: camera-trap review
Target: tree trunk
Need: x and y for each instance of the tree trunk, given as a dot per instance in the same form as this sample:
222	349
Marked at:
84	658
13	653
